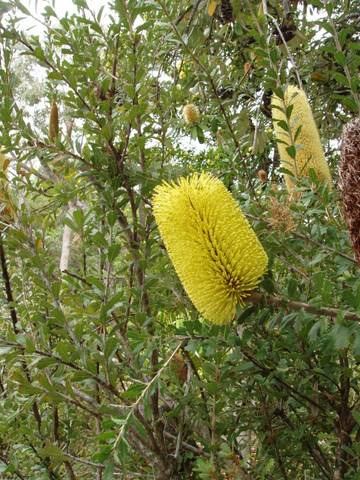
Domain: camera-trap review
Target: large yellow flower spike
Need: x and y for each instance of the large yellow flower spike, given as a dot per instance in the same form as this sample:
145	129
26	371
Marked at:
214	250
309	151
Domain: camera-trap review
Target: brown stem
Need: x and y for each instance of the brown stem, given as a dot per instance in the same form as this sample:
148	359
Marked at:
69	470
56	424
279	302
344	424
8	290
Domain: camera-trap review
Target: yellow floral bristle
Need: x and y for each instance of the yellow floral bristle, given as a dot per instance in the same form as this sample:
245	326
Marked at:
309	151
191	114
54	122
215	252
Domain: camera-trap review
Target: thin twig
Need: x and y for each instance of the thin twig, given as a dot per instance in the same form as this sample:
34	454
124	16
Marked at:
289	54
84	461
142	395
8	290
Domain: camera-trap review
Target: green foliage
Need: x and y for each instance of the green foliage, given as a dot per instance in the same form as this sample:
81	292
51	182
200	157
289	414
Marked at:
106	369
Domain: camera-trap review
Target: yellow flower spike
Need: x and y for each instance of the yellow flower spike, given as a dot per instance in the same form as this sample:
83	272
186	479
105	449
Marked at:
191	114
309	151
215	252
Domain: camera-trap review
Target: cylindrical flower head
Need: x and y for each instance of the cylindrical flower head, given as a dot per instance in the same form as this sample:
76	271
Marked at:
309	151
215	252
191	114
350	181
54	122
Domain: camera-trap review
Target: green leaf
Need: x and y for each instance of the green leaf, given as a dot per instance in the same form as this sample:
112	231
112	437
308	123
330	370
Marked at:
340	58
5	350
80	3
289	110
46	362
79	218
133	392
356	415
341	336
109	470
291	151
122	452
113	251
200	134
284	125
52	451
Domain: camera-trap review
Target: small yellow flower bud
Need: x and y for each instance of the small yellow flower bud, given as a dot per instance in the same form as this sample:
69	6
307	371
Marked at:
191	114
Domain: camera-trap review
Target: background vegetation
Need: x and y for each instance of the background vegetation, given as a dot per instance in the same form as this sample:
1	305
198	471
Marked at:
106	369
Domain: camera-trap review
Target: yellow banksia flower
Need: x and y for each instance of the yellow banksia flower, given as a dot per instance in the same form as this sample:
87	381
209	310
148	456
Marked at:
54	122
191	114
215	252
309	151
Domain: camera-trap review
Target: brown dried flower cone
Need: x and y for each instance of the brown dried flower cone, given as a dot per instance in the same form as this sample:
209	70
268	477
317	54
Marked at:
227	13
350	181
54	122
262	176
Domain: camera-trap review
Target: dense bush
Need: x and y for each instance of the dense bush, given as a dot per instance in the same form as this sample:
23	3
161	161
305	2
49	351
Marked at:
106	369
